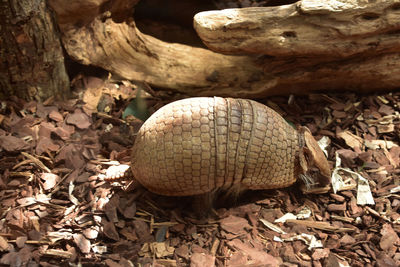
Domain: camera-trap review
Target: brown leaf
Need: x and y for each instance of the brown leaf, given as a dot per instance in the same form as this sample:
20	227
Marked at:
354	208
142	231
161	249
238	258
258	256
201	259
45	129
79	119
347	240
43	111
3	244
72	156
50	180
64	131
235	225
385	260
20	241
337	207
91	233
130	211
12	144
111	263
182	251
45	144
320	253
56	116
351	139
111	212
337	106
93	92
386	110
339	114
128	233
389	237
25	255
11	259
109	230
348	156
389	128
82	243
395	154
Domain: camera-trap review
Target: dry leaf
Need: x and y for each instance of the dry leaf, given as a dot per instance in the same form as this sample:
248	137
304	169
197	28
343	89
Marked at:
352	140
79	119
3	244
56	116
389	237
201	259
11	143
82	243
50	180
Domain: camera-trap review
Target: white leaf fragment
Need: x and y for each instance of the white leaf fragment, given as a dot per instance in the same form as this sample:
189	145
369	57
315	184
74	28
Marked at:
309	240
72	198
395	190
272	226
351	139
323	143
364	195
286	217
375	144
99	249
303	214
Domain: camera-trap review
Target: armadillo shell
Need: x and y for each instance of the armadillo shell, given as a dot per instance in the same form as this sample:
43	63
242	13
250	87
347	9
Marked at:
198	145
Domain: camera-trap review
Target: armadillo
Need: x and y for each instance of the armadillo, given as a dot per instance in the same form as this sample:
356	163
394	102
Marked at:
199	145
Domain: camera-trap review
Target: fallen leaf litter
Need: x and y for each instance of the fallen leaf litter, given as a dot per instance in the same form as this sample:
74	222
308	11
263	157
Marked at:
56	209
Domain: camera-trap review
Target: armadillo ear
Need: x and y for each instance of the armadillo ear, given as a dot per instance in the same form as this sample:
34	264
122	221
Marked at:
316	154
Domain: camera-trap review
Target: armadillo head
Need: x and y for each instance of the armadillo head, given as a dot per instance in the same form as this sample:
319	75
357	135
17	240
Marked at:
314	167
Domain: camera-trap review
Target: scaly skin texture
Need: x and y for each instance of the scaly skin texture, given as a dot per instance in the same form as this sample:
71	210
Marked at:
198	145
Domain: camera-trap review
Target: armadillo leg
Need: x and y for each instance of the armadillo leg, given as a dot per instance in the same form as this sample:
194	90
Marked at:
202	204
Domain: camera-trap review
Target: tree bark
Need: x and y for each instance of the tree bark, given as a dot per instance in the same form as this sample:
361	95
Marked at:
32	61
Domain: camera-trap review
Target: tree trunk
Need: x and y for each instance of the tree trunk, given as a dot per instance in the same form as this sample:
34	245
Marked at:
32	61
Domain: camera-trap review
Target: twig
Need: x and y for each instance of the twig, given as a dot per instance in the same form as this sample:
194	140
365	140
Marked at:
37	162
321	226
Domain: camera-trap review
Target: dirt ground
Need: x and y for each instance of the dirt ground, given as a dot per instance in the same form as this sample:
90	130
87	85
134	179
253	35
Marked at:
57	209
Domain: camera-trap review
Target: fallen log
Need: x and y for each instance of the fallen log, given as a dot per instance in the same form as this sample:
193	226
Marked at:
119	47
333	29
122	49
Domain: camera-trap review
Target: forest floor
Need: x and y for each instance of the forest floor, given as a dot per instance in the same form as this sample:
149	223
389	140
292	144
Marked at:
57	209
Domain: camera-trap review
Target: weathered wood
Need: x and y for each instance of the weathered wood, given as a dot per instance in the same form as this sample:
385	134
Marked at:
122	49
308	28
74	14
291	66
32	61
